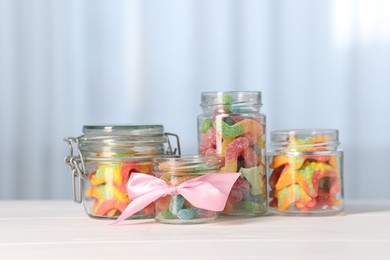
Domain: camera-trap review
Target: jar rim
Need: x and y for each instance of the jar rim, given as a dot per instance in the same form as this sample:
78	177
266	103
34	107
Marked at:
186	164
185	158
123	129
248	92
292	139
235	98
312	131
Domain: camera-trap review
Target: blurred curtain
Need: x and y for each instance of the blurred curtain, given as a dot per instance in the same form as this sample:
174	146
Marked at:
67	63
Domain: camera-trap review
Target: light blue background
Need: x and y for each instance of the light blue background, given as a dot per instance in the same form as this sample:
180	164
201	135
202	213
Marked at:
67	63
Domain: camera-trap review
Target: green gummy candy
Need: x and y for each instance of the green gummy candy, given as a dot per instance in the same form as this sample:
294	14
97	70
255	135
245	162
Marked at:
254	198
227	101
284	193
250	206
187	214
106	193
100	172
165	215
176	203
229	131
206	125
254	178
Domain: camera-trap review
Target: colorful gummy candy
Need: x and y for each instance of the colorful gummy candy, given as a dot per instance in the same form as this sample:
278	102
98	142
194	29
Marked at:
305	181
176	208
107	188
238	138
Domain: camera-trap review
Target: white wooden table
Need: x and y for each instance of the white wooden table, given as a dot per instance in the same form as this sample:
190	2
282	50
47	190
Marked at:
62	230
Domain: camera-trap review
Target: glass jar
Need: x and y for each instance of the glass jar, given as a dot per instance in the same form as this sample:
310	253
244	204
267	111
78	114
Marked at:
232	127
175	209
305	172
107	155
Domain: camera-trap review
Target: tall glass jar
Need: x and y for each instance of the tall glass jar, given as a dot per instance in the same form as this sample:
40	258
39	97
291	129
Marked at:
232	127
107	155
175	209
305	172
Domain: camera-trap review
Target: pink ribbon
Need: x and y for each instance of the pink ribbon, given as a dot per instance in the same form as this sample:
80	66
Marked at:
209	191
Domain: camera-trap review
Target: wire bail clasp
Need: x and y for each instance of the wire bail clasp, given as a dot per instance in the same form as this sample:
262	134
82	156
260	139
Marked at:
171	151
77	168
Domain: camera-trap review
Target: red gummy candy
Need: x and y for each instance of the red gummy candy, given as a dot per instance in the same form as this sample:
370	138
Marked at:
236	147
236	195
242	185
250	157
233	151
252	139
275	176
210	152
149	210
273	203
208	140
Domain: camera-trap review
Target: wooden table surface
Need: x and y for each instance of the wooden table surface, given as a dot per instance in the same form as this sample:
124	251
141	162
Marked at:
62	230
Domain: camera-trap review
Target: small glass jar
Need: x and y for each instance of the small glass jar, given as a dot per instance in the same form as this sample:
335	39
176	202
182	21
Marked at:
175	209
107	155
305	172
232	128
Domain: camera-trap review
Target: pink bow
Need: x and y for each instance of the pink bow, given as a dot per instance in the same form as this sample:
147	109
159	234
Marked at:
209	191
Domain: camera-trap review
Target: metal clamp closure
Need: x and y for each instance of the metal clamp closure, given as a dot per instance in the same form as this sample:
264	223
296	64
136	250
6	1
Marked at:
77	168
171	151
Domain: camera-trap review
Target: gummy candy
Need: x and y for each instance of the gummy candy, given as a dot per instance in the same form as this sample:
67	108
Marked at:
206	125
187	214
250	206
175	208
229	131
234	149
236	195
203	213
306	181
242	184
163	203
239	143
208	140
257	182
291	194
165	214
250	157
296	161
109	206
108	188
176	203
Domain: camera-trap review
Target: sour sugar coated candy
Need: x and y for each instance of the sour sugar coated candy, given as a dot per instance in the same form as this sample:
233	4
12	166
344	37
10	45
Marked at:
305	172
238	139
174	171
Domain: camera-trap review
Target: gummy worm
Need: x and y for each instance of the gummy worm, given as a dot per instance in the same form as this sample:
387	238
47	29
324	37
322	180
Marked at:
234	149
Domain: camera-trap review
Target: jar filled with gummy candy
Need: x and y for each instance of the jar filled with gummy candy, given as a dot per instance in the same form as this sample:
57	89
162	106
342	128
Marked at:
305	172
106	156
232	128
175	209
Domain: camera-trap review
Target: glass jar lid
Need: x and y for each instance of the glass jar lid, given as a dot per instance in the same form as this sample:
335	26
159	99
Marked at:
231	100
297	140
122	141
119	130
186	165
